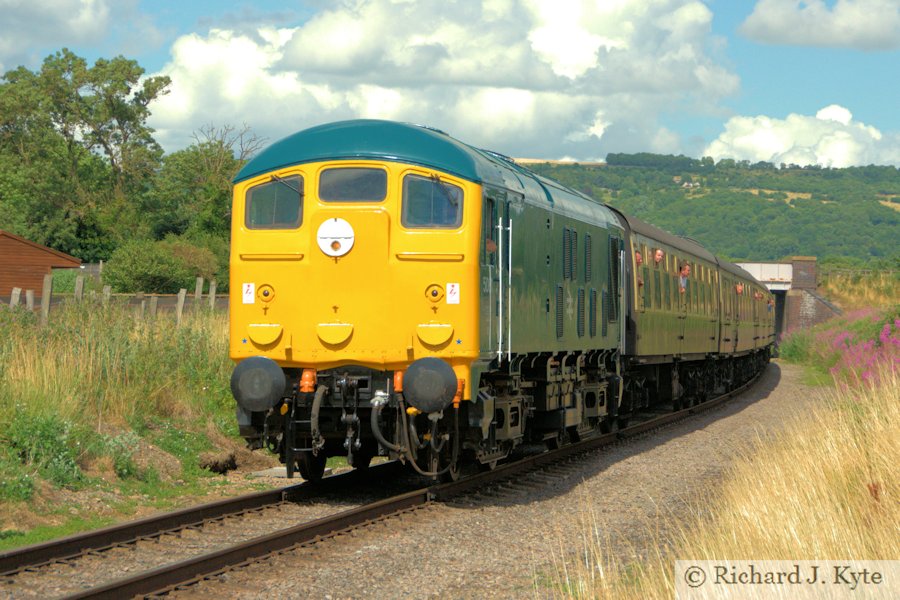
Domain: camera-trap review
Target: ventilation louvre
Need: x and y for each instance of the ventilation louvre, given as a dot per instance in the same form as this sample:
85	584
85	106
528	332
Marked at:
580	326
559	311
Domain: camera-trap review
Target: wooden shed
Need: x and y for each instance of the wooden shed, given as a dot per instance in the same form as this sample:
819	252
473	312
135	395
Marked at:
23	264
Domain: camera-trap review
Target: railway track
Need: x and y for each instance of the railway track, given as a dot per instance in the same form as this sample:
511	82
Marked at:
34	560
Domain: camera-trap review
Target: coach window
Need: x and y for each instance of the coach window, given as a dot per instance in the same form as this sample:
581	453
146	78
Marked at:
354	184
276	204
431	203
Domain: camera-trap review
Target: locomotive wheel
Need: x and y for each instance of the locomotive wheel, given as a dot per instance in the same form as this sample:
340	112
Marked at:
452	474
436	464
312	468
556	442
609	425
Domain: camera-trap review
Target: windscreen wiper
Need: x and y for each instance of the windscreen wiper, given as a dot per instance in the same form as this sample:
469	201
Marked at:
286	184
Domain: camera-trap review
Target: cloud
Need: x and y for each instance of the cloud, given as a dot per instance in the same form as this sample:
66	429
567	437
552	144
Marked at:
831	138
28	24
103	27
859	24
582	79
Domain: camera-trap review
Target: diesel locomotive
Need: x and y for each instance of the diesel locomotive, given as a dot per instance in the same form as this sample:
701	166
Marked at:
397	292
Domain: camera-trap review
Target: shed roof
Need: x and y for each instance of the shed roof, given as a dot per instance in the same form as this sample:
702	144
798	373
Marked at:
58	259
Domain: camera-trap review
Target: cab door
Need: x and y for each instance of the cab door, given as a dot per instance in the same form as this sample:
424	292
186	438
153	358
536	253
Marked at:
495	276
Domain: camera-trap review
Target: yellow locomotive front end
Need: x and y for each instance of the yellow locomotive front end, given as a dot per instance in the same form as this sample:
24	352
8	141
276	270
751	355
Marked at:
354	263
350	275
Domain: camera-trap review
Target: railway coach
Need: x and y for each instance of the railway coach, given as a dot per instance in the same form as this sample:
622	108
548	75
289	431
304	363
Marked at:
689	332
398	292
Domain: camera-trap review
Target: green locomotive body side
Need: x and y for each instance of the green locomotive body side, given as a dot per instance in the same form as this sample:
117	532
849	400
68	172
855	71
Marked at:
559	292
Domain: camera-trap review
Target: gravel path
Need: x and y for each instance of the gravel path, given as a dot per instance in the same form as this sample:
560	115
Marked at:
497	545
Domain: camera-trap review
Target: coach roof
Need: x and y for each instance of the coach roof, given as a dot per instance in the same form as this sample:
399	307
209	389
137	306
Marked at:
370	139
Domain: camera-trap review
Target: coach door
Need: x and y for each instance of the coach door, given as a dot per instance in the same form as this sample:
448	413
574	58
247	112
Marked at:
496	291
734	331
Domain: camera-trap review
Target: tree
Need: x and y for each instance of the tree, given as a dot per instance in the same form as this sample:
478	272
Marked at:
75	151
192	191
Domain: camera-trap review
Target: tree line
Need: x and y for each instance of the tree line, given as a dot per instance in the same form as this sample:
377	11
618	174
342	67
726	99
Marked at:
753	212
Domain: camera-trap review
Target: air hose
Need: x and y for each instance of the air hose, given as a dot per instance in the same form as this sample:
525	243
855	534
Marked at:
454	455
317	440
406	448
376	429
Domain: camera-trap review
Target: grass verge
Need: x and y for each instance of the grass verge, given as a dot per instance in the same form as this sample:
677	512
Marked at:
103	413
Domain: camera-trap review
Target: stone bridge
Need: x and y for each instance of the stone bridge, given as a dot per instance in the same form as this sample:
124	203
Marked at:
794	284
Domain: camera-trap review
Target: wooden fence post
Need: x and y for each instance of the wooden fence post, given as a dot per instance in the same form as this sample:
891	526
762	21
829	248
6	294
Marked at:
15	297
154	301
45	298
29	299
179	308
212	294
79	288
198	293
107	291
143	305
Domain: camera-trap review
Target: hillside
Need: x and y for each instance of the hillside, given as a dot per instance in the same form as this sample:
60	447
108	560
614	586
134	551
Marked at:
751	212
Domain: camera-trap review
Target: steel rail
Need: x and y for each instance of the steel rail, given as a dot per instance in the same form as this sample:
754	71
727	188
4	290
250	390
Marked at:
75	545
207	565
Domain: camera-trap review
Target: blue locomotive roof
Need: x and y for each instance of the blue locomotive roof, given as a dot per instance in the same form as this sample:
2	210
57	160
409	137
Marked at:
403	142
377	140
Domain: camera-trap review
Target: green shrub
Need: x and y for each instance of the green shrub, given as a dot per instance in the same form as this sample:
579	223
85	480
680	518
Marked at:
221	250
121	449
158	267
64	281
199	260
16	482
46	442
796	346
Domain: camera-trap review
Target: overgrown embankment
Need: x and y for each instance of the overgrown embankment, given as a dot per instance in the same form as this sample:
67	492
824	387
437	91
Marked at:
102	412
823	488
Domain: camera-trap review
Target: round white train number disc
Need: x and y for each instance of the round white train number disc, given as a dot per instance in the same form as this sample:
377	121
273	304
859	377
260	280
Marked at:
335	237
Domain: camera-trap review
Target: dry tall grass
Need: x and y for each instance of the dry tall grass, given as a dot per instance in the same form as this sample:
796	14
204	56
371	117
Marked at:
94	364
855	290
824	488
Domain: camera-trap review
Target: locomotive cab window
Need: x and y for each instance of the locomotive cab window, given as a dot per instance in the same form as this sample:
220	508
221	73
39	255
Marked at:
276	204
356	184
431	203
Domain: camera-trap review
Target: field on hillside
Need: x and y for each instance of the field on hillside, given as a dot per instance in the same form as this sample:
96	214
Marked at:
754	212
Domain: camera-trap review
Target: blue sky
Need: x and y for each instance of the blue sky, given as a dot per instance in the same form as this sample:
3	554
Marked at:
788	81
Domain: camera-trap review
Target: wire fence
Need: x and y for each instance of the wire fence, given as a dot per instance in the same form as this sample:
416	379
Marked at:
145	305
